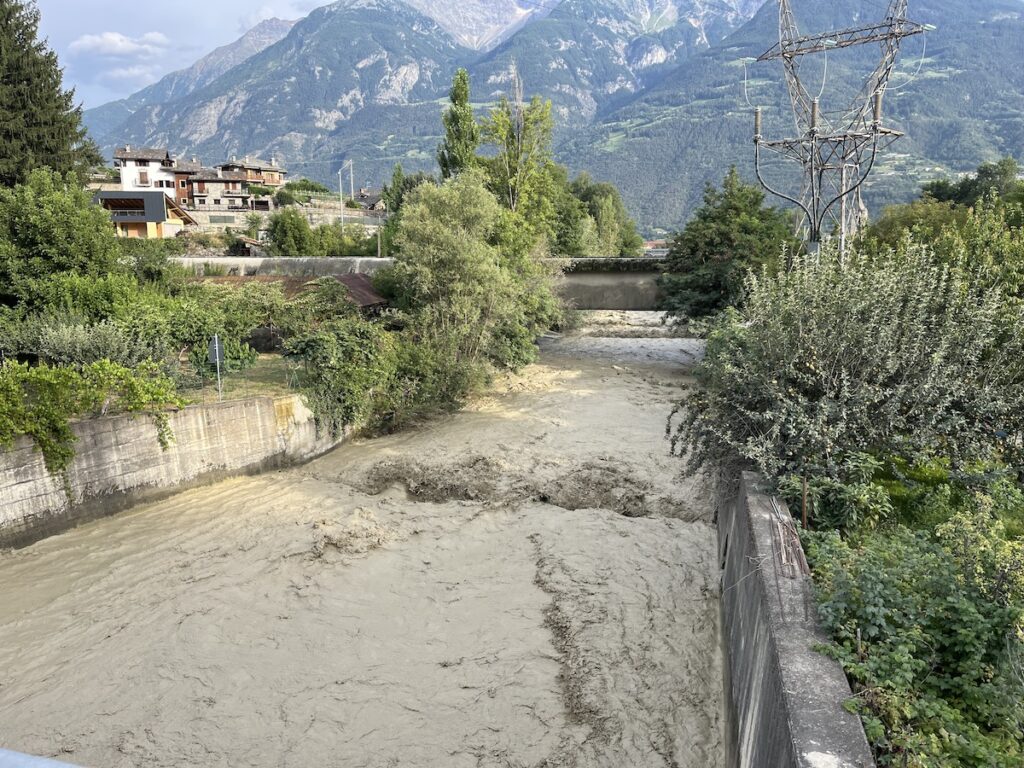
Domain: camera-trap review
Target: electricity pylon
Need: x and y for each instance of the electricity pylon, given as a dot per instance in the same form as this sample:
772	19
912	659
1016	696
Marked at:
837	149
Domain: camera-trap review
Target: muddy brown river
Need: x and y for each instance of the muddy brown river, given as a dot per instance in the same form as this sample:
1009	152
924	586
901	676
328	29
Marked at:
529	582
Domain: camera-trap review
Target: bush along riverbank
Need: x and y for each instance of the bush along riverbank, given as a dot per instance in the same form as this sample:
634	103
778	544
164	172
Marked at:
883	393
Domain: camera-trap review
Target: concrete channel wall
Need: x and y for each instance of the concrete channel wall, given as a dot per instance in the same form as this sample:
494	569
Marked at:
787	698
118	462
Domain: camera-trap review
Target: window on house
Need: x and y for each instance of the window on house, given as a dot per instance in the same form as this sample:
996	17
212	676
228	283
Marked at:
216	202
142	163
144	179
183	183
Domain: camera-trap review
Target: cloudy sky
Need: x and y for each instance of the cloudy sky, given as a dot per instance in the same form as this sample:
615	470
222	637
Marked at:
112	48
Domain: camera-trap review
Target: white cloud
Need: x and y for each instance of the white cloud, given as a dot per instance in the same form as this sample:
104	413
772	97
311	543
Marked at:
117	45
139	74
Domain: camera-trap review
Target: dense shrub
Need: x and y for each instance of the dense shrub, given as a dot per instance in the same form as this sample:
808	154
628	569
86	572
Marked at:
929	630
48	225
897	358
73	344
350	365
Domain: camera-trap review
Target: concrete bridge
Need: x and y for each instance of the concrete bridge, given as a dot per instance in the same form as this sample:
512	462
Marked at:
615	284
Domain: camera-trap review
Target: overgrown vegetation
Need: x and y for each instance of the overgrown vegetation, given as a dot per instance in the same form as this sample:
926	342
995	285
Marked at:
292	236
886	388
469	296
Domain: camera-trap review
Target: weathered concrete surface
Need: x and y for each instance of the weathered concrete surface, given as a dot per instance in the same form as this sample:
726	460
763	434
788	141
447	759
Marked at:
119	462
787	698
305	267
632	291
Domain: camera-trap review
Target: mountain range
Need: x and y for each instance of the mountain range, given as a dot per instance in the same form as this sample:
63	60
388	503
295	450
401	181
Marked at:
648	94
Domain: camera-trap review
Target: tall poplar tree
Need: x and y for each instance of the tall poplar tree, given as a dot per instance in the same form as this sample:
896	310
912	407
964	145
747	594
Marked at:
461	133
40	125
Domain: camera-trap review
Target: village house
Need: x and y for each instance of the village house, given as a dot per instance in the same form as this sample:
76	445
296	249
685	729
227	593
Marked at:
371	200
219	190
144	168
266	174
150	214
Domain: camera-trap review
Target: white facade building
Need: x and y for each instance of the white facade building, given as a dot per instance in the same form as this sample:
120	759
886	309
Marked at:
146	170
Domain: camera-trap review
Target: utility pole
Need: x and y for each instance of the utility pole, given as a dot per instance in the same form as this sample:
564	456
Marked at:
341	195
836	150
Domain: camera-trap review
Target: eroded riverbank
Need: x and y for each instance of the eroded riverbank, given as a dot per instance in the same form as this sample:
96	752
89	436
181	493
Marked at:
526	583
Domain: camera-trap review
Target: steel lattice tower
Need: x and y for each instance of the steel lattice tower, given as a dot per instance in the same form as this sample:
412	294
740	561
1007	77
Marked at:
836	150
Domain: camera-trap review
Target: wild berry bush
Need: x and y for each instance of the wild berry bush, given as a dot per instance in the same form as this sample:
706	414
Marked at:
930	630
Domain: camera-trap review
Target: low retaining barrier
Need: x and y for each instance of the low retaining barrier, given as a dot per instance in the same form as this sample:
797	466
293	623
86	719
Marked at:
118	462
787	699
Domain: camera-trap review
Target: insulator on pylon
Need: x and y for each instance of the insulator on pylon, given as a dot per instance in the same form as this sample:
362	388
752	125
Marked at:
814	115
757	123
878	107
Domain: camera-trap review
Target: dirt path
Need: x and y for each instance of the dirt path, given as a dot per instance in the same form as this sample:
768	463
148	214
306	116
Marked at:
526	583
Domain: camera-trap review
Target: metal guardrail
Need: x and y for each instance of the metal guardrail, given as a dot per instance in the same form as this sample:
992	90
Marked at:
15	760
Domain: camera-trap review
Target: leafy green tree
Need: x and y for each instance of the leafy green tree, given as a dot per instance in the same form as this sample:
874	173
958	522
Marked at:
522	134
49	225
40	126
616	231
290	234
732	233
253	225
1001	178
461	133
923	219
472	289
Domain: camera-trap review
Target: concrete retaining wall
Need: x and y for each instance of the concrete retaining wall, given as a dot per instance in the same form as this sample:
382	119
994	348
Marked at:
787	698
630	288
612	290
119	462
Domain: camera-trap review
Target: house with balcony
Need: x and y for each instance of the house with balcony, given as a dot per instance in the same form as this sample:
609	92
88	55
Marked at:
219	190
145	214
261	172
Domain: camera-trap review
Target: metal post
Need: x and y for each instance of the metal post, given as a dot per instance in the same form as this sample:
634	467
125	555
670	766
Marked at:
217	354
378	239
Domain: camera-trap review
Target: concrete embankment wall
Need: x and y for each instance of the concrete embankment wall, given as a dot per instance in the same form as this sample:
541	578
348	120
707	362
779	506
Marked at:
118	462
787	698
591	283
635	291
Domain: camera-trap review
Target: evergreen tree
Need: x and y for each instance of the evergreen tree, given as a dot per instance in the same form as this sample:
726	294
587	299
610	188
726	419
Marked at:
732	233
461	133
40	126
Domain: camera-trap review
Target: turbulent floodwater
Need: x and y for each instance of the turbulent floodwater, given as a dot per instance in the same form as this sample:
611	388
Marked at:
526	583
